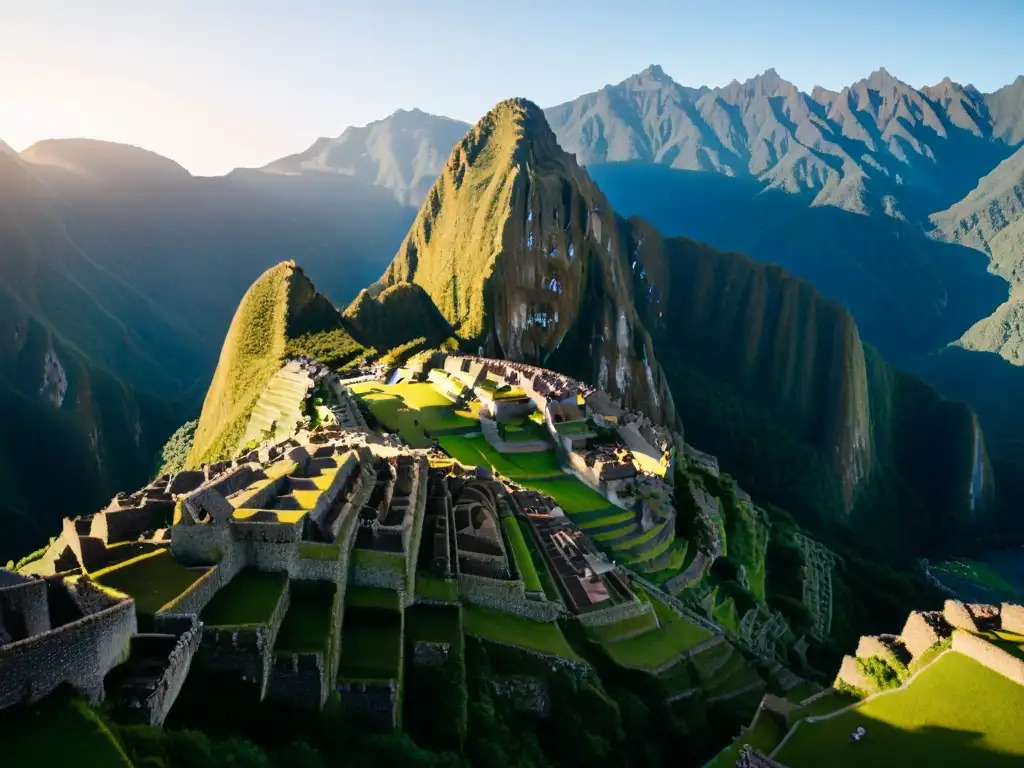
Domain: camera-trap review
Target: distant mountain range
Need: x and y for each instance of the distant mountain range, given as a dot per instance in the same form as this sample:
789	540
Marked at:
890	199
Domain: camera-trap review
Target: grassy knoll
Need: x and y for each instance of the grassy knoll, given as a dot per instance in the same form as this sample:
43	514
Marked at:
524	562
654	648
58	732
543	637
956	712
153	580
372	597
371	644
307	625
399	406
432	588
249	598
516	466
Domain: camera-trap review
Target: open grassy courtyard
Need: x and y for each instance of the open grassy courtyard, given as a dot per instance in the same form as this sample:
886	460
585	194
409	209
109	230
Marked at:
955	713
248	599
476	451
153	580
399	406
540	636
524	562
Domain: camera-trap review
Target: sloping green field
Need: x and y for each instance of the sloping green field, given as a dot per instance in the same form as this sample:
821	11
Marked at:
400	406
955	713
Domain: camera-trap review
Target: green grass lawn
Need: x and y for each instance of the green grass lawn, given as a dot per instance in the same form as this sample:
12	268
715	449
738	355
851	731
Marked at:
307	625
955	713
372	597
544	637
250	598
371	644
574	496
476	451
372	558
59	732
399	406
432	588
654	648
801	691
153	580
524	562
725	614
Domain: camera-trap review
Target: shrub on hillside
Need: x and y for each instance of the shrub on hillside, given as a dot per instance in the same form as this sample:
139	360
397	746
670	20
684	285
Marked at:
175	451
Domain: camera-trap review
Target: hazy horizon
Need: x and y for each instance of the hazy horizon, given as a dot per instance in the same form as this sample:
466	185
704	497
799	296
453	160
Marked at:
216	88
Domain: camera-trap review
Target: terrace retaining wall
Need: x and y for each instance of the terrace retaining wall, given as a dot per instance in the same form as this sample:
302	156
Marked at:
615	614
377	700
158	704
993	657
29	599
507	596
1012	617
80	653
298	679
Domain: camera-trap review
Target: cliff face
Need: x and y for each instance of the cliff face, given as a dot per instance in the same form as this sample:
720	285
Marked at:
524	257
513	243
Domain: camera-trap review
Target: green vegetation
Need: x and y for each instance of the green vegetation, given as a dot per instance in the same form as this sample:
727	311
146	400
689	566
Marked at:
474	451
800	692
372	597
955	712
399	406
175	452
335	348
249	599
307	625
524	562
281	305
974	571
84	741
371	644
319	551
543	637
432	588
765	734
394	316
610	633
372	558
153	580
653	649
885	673
575	497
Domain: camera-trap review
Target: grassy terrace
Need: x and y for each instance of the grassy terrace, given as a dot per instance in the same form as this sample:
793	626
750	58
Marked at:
652	649
307	625
434	624
476	451
610	633
153	580
399	406
542	637
432	588
248	599
371	643
524	562
58	731
765	736
955	713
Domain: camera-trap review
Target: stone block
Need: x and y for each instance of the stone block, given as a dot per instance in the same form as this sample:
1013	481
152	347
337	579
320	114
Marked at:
958	616
1012	618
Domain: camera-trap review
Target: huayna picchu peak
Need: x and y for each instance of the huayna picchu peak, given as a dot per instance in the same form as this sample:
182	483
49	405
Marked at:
673	423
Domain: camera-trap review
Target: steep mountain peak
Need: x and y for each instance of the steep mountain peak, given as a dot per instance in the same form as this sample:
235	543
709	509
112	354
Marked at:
520	252
655	72
103	160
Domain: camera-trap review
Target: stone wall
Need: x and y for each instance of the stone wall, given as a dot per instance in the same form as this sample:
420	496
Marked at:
366	573
991	656
158	704
507	596
298	679
80	653
615	614
850	674
923	630
1013	618
958	616
195	598
29	600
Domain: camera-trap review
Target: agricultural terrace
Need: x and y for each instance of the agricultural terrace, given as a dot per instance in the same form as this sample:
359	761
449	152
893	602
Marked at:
371	597
543	637
476	451
153	580
371	644
657	647
956	712
248	599
430	587
59	731
434	624
307	625
399	406
524	561
765	734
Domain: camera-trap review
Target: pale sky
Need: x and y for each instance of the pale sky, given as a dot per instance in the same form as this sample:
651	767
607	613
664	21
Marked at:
219	84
